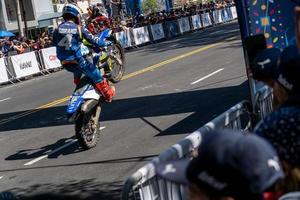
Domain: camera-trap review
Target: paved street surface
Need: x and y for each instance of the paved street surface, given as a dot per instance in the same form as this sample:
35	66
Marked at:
185	83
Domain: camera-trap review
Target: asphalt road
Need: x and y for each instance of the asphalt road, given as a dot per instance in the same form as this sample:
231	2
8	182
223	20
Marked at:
185	83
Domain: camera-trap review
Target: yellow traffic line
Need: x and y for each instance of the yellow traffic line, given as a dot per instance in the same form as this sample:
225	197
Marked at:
147	69
150	68
49	105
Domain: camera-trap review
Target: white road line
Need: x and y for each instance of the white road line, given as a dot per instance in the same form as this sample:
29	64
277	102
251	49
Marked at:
207	76
70	142
5	99
1	177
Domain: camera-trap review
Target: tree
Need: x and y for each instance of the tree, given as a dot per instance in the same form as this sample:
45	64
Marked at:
150	6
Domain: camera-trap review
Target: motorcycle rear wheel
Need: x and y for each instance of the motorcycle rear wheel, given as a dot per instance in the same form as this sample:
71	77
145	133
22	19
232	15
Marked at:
117	69
87	131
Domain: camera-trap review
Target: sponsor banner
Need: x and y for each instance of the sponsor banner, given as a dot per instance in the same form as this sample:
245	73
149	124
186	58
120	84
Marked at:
50	59
233	12
157	32
141	35
206	20
25	64
124	38
225	15
217	16
3	72
228	9
184	24
196	21
171	29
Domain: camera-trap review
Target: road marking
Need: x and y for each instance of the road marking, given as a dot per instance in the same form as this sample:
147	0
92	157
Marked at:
150	68
68	143
147	69
5	99
207	76
51	104
1	177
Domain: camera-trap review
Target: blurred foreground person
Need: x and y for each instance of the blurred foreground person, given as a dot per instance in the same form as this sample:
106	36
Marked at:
230	166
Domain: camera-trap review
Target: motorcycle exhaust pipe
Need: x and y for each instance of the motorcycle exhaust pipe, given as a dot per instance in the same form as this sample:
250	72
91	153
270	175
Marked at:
88	105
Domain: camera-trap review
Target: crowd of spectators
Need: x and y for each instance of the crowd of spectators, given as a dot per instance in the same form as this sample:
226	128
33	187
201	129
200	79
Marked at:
120	23
175	13
13	45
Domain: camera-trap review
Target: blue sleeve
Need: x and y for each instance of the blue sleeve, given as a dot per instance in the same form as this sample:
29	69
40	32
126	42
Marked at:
55	35
95	41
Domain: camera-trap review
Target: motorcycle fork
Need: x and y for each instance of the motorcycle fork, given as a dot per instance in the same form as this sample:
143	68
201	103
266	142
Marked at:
96	116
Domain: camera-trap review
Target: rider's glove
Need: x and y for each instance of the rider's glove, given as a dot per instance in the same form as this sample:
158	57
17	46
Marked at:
107	91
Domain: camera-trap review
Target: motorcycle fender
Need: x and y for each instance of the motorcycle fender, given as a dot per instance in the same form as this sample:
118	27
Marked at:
88	105
91	94
74	104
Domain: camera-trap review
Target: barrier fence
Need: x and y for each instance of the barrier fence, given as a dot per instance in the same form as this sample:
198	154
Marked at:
23	65
144	184
263	102
170	29
17	67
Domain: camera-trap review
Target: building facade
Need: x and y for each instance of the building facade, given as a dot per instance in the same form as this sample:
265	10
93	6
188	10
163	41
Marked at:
39	14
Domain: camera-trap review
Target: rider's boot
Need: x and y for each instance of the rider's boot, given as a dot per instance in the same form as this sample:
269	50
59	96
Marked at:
107	91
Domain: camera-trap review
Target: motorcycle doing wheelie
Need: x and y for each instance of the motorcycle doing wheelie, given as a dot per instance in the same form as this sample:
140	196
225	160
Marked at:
85	104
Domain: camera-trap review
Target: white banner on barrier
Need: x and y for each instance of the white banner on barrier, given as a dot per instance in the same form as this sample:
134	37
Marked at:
217	16
3	72
196	21
233	11
184	25
157	31
124	38
141	35
50	59
206	20
25	64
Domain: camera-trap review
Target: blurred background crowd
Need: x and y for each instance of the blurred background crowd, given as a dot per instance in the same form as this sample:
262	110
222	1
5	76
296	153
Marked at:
13	45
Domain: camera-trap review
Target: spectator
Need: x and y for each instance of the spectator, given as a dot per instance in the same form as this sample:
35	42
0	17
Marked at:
284	134
284	79
230	166
6	47
282	127
17	46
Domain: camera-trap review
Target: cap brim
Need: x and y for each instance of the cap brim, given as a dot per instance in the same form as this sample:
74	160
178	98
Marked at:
174	171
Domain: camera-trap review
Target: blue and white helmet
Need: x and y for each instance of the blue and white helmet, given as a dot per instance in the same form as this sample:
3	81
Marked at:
72	9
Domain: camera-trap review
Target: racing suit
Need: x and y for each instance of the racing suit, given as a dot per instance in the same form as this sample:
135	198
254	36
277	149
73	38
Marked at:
68	38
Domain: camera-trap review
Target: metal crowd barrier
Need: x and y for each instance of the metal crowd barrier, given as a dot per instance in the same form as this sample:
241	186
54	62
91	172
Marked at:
144	184
169	29
263	104
21	66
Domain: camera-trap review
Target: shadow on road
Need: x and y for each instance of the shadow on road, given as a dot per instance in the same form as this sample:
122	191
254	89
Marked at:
135	159
85	189
205	104
35	153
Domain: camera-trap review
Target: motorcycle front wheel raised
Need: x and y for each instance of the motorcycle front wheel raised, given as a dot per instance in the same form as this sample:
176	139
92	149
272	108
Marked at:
87	128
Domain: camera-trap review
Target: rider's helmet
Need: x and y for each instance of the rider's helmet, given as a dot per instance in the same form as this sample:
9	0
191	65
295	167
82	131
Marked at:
72	11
